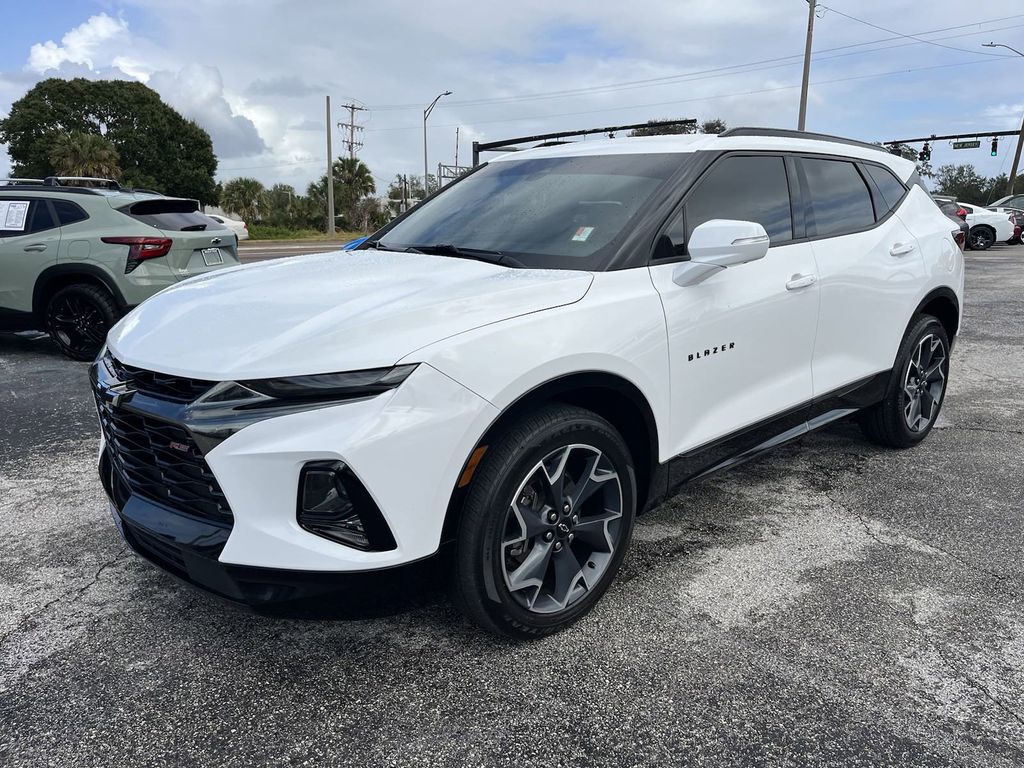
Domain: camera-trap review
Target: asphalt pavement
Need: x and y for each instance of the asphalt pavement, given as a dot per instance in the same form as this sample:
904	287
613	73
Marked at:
833	603
261	250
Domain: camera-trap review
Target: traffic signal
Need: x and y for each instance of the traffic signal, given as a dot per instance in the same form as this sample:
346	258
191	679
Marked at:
925	154
995	147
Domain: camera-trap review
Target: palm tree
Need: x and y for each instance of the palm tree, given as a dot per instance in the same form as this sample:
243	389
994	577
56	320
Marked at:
245	197
85	154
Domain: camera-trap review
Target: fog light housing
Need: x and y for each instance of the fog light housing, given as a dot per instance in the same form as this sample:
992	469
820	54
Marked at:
334	504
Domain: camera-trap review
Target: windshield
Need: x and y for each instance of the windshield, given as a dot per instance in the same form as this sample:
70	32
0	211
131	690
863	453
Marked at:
548	213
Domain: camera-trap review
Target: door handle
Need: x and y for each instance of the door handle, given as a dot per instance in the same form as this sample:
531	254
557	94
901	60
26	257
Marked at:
800	281
901	249
36	247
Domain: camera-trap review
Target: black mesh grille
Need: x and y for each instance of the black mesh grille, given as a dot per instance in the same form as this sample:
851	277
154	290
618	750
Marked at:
177	389
160	462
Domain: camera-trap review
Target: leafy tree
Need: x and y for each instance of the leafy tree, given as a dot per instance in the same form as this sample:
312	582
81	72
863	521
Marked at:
962	182
353	182
715	125
281	205
158	148
245	197
907	152
664	130
85	154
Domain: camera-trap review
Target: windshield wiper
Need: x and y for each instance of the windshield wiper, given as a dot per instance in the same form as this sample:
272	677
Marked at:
460	252
194	228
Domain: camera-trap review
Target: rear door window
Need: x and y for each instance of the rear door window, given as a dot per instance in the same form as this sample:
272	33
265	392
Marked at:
838	200
753	188
37	219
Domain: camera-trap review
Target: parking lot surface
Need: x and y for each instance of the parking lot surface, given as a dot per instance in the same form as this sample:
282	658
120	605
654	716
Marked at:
831	603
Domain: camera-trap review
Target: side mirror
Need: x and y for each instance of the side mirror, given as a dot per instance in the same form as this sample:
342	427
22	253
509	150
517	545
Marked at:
720	243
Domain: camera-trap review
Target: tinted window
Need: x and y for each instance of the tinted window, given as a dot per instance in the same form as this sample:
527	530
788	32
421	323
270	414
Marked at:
967	209
746	189
554	212
839	200
171	215
888	186
68	212
38	219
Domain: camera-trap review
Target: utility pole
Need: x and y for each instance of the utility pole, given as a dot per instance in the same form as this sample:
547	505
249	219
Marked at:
352	128
456	146
1020	139
330	173
811	7
426	114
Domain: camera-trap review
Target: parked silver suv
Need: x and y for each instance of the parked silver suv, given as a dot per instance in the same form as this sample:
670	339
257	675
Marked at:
74	259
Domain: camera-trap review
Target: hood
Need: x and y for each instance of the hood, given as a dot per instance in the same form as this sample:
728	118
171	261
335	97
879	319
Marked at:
330	312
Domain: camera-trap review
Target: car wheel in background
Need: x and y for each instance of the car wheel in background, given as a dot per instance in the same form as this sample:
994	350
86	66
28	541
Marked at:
78	318
981	238
916	388
546	523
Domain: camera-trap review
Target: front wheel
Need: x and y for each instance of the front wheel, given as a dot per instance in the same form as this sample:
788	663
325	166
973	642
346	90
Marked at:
982	238
917	387
546	523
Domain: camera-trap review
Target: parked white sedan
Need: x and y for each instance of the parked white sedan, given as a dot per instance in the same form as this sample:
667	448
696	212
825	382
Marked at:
987	227
240	228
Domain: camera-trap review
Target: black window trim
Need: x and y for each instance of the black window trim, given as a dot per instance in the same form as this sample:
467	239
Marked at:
873	187
53	210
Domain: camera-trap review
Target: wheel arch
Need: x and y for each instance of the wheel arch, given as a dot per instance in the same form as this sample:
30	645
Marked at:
609	395
60	276
943	305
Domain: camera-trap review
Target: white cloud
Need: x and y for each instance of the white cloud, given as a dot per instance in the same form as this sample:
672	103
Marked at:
79	46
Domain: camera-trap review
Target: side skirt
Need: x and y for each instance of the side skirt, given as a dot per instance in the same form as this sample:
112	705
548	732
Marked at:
745	444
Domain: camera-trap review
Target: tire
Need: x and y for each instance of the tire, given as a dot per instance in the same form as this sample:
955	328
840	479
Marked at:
981	238
78	318
512	519
889	423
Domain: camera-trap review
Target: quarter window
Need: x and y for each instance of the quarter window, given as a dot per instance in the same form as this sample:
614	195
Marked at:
889	187
838	199
746	189
68	212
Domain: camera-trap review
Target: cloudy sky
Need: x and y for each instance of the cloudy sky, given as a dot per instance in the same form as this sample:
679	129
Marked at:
255	74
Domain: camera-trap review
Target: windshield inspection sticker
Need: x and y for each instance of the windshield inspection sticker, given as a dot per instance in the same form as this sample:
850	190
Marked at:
582	234
12	215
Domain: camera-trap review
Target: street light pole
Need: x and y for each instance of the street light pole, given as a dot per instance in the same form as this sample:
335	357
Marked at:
426	114
1020	139
811	7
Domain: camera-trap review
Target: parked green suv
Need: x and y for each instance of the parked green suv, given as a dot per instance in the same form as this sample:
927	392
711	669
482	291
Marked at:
74	259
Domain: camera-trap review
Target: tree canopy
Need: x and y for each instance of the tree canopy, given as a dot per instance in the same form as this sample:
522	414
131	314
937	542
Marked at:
85	154
158	148
714	125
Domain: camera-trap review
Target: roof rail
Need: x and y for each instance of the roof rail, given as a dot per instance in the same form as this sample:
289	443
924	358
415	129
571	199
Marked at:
13	182
57	181
786	133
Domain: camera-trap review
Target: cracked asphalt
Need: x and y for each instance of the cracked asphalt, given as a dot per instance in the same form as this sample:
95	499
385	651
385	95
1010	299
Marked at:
830	604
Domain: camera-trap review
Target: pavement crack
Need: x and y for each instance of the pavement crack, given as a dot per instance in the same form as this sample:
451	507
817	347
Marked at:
75	595
993	430
984	691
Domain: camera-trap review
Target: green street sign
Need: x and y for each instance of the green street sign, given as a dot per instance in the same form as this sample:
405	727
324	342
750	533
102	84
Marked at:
966	144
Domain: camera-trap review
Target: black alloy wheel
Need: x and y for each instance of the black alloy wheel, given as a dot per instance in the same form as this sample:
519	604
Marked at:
78	318
981	239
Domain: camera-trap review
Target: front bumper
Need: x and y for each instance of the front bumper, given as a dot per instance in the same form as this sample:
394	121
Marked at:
407	447
189	548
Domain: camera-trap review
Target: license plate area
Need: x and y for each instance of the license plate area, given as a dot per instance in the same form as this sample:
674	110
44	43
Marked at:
212	256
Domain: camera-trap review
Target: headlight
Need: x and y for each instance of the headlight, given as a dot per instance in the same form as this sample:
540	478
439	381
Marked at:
330	386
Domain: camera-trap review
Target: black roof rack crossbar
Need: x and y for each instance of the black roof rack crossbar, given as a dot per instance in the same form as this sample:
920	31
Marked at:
785	133
56	181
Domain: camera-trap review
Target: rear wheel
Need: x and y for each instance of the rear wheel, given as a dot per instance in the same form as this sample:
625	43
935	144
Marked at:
78	318
982	238
916	388
546	523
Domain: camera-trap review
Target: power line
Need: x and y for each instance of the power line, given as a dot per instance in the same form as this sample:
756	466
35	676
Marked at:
700	98
690	75
910	37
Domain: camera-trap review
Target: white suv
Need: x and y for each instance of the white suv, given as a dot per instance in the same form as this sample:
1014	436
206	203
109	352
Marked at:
522	364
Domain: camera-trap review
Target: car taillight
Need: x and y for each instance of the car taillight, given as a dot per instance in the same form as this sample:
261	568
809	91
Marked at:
961	239
141	248
961	213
